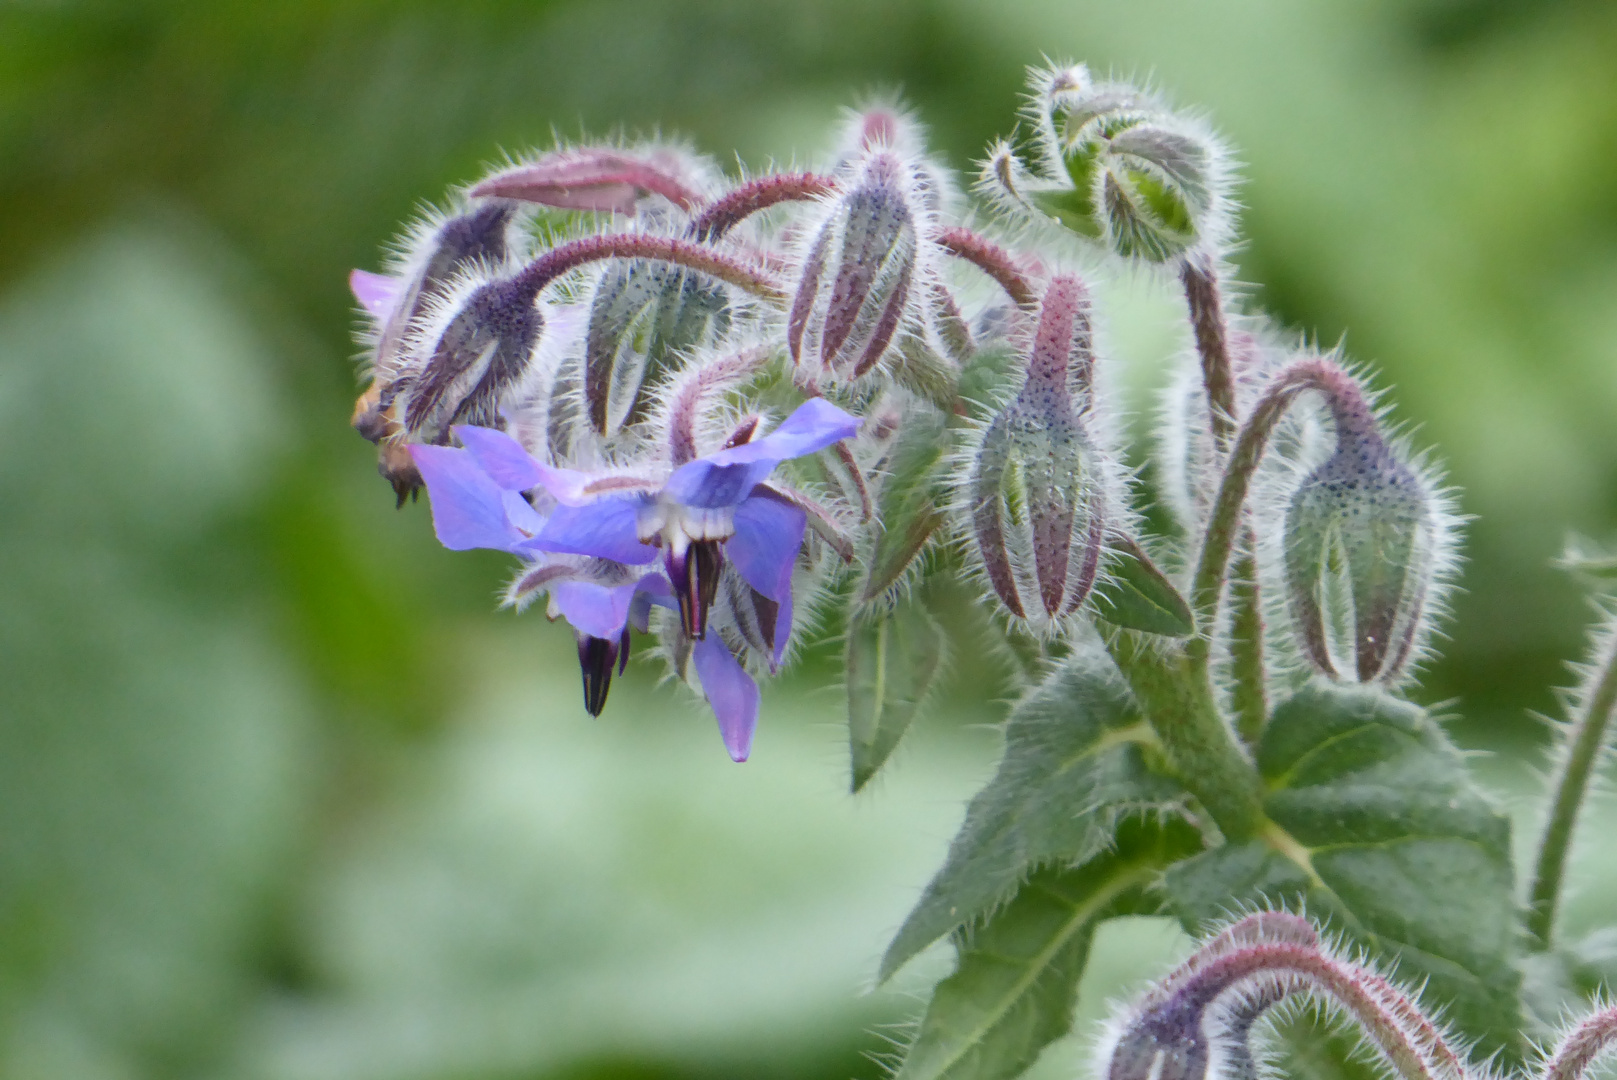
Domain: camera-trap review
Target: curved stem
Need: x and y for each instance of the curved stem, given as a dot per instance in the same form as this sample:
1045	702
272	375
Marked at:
1582	1046
1350	411
1180	705
993	260
1410	1043
1207	321
689	254
730	209
1584	744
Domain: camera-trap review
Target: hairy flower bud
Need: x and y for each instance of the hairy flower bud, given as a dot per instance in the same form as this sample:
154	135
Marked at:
482	351
642	316
597	178
858	274
1363	538
438	255
1036	490
1116	166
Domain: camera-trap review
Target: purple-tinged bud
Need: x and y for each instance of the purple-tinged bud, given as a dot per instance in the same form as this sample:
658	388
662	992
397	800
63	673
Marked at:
481	353
1036	490
595	178
1582	1046
1196	1024
398	303
859	272
1361	536
1116	166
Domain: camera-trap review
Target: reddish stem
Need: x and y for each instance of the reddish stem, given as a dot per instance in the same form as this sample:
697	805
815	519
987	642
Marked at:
558	261
992	259
730	209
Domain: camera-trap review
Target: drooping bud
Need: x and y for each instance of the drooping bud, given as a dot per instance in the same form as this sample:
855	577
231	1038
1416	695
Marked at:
642	316
1197	1023
482	351
1036	490
1116	166
1362	539
398	303
860	269
597	178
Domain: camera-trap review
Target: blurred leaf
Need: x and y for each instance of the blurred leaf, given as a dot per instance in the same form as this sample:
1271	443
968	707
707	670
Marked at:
152	736
1387	836
1016	982
892	661
908	504
1077	759
1139	596
989	379
1309	1047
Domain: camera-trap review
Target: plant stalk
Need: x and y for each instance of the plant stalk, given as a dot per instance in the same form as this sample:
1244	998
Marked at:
1584	743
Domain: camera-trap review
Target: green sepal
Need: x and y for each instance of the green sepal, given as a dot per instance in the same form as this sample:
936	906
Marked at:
893	658
1079	757
642	316
1016	981
1139	596
1378	828
918	368
909	503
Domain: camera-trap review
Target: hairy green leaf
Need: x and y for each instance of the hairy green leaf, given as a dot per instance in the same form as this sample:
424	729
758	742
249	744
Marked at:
1309	1047
1379	829
1139	596
893	658
909	503
989	380
1013	990
1078	757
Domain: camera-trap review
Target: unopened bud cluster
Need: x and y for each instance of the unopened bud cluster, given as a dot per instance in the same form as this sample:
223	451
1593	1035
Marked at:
703	407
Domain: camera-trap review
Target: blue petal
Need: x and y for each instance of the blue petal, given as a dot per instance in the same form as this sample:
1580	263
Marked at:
651	590
605	528
468	509
501	456
597	610
377	293
730	691
728	477
813	426
764	549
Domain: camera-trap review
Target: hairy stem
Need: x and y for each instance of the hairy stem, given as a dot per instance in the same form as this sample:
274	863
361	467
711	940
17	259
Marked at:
993	260
734	207
1207	322
1584	743
1249	698
693	256
1224	524
1179	701
1582	1046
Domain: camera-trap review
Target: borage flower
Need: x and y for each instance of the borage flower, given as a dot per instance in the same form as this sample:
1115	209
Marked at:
709	511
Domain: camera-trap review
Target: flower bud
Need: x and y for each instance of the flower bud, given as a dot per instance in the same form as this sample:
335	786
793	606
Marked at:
643	315
482	351
1116	166
597	178
1036	490
858	274
1364	538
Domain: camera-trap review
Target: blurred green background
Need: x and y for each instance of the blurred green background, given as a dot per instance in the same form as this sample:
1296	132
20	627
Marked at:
283	796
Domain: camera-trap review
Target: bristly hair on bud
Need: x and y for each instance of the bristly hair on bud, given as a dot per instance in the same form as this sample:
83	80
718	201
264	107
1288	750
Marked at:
867	267
604	178
1364	541
1197	1023
1113	163
1038	488
431	261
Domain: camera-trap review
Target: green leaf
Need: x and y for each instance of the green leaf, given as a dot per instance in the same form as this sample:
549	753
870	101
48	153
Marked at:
1309	1047
1078	757
1378	827
892	661
1013	990
989	380
909	503
1139	596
